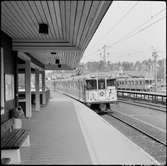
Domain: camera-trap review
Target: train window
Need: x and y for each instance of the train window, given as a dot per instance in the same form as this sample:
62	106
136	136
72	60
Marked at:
91	84
110	82
146	81
101	84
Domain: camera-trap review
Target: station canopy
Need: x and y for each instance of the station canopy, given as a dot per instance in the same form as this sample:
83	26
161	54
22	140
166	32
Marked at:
70	26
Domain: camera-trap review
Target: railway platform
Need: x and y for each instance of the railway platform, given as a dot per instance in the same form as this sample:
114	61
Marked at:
67	132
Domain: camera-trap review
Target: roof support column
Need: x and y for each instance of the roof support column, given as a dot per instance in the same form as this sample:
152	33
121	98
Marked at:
37	93
43	88
28	88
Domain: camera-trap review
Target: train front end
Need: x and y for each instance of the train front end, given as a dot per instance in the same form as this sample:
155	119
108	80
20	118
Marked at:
101	93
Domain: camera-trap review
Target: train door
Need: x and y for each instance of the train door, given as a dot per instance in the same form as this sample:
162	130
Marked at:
91	90
101	89
111	92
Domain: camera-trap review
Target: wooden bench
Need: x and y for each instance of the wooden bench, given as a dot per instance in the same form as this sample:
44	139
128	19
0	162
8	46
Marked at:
12	140
5	161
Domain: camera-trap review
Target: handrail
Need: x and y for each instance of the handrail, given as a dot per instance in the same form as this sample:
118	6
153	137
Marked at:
143	92
140	95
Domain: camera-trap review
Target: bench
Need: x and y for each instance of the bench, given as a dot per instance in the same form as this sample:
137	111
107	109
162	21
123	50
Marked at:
12	140
5	161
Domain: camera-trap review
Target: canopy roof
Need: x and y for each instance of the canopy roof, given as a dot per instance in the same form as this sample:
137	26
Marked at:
71	25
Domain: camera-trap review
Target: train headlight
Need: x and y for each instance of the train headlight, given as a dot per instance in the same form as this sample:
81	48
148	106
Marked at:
101	93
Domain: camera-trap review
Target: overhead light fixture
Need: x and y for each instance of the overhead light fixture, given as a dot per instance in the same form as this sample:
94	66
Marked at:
53	52
43	28
57	61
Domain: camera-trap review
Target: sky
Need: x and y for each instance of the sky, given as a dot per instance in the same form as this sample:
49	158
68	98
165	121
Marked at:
131	30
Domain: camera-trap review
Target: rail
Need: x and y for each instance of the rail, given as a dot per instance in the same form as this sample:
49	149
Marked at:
146	96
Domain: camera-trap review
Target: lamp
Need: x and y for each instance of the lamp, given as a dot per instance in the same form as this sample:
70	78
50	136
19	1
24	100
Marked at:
43	28
57	61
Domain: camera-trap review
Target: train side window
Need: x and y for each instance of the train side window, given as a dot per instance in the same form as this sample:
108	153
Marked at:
91	85
146	81
101	84
110	82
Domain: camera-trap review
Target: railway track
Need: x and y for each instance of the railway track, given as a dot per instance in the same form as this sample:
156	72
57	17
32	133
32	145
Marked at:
157	107
149	131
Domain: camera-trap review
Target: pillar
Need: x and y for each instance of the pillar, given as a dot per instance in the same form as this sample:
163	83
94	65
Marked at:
43	88
28	88
37	93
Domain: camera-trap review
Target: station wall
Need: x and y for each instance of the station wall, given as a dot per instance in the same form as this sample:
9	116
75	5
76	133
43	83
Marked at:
9	69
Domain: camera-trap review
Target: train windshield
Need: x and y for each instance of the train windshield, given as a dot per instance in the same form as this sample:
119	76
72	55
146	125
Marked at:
111	82
101	84
91	85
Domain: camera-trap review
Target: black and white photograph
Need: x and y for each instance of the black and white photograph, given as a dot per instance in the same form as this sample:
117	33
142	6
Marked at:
83	82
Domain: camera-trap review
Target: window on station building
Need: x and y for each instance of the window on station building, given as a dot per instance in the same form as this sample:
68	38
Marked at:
101	84
40	81
91	84
21	82
33	81
111	82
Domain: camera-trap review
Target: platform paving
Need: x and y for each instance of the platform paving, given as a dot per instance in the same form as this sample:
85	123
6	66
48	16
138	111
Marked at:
68	132
55	135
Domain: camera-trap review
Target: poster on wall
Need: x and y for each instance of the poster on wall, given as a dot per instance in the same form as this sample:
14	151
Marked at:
9	87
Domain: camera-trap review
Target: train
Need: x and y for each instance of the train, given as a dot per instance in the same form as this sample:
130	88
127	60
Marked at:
135	84
97	92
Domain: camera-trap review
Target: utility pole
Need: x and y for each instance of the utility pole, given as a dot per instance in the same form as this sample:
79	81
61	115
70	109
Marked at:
104	55
164	72
154	55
